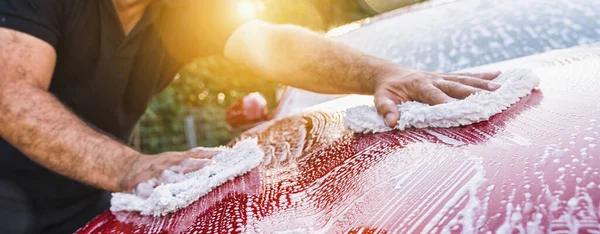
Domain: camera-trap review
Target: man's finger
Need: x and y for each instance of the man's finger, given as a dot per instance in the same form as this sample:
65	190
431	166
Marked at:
387	109
193	164
201	152
473	82
482	75
433	95
200	148
455	89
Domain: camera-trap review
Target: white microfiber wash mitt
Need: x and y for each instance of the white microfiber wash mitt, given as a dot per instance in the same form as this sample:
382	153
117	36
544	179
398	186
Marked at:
516	83
166	198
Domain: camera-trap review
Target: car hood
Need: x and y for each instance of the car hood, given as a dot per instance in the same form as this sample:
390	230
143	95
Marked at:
534	167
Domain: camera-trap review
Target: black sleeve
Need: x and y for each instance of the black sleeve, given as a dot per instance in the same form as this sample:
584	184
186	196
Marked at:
39	18
195	28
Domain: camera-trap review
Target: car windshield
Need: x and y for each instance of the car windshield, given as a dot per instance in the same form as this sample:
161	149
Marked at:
452	35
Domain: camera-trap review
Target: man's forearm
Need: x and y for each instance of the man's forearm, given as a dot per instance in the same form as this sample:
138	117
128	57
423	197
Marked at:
300	58
36	123
41	127
304	59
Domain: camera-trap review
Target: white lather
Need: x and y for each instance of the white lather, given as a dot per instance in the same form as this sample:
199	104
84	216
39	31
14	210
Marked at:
166	198
516	83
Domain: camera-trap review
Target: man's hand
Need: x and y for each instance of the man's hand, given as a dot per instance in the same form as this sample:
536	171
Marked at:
147	167
402	85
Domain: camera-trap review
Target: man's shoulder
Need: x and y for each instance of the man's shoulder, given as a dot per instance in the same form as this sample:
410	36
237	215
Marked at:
54	7
40	18
8	5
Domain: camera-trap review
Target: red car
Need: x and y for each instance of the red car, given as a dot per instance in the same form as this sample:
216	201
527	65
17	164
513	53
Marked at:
534	168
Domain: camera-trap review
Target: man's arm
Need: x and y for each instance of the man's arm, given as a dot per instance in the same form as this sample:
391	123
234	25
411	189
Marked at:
40	126
307	60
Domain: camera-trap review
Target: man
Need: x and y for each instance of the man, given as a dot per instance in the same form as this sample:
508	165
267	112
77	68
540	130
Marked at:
75	76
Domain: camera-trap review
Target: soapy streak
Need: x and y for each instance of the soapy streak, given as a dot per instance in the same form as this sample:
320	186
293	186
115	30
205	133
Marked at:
166	198
516	83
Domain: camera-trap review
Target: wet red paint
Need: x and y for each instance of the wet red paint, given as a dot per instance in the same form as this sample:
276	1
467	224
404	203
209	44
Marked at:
527	168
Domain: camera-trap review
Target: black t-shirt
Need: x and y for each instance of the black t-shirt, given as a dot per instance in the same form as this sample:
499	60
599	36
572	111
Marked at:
104	76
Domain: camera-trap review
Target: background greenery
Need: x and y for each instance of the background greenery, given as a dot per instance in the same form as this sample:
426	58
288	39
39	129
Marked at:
206	88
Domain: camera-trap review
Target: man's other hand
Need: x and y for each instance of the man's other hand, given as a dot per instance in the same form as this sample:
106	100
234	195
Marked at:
148	167
402	85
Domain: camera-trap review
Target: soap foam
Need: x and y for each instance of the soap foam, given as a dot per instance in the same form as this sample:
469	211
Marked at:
516	83
169	197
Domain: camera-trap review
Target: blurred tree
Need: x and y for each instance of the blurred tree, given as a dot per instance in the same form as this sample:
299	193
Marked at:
301	13
318	15
203	89
206	88
335	13
380	6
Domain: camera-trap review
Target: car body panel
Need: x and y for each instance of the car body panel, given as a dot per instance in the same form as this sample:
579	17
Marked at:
534	167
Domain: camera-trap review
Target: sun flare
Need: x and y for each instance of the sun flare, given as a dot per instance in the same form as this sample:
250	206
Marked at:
247	9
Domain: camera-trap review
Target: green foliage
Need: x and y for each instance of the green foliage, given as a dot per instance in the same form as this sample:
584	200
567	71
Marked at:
207	87
204	89
319	15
